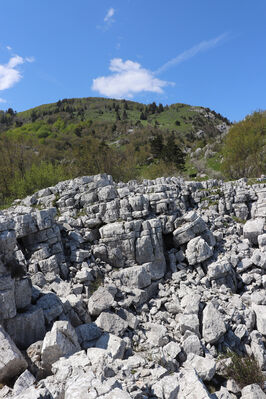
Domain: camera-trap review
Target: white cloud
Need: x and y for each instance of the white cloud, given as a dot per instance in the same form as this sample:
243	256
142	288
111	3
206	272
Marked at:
9	48
9	73
2	100
128	78
30	59
202	46
109	15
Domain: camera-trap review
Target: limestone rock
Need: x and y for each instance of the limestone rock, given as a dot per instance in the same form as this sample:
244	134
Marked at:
197	251
111	323
213	324
12	363
252	229
101	299
62	340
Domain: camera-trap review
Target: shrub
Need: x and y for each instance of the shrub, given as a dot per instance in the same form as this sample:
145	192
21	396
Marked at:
245	370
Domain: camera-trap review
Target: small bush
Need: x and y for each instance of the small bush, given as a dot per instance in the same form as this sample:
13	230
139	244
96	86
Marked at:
245	370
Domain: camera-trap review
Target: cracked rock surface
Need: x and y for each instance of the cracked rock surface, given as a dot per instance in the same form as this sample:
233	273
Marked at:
132	290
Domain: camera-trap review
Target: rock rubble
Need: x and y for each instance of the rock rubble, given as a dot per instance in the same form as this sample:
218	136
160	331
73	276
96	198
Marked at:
132	290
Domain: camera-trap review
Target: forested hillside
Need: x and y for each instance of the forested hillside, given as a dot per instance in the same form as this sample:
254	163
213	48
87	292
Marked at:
128	140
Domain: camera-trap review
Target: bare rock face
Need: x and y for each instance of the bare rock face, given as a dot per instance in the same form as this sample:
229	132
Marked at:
132	290
12	363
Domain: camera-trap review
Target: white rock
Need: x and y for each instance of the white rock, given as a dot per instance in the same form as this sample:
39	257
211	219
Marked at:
115	345
12	363
204	366
260	311
62	340
213	324
252	391
197	251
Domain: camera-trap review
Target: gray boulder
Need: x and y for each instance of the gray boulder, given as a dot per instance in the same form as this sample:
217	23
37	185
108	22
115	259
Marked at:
111	323
62	340
252	229
12	363
115	345
252	391
27	328
213	324
204	366
102	299
197	251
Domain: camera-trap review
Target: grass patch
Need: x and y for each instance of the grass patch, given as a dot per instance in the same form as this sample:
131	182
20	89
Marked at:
245	370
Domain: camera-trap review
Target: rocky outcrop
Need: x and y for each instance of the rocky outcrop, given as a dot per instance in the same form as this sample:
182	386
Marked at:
132	290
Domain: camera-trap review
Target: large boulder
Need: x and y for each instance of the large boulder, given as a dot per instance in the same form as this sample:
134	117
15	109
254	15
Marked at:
197	251
213	326
260	311
190	229
26	328
252	229
111	323
61	341
102	299
12	363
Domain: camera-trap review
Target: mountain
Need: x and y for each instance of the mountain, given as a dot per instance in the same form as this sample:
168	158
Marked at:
126	139
81	136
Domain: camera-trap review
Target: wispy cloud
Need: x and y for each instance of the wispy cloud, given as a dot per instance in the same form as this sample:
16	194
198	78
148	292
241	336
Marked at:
10	73
109	15
198	48
9	48
127	79
2	100
108	20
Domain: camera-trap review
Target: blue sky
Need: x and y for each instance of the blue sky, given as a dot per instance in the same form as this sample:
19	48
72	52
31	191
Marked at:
210	53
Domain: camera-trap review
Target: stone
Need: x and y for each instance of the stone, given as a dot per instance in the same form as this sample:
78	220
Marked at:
111	323
12	363
189	322
102	299
115	345
7	298
88	334
23	292
62	340
24	381
252	229
51	305
190	386
135	276
197	251
223	393
27	328
260	311
192	344
167	387
157	336
252	391
204	366
213	326
189	230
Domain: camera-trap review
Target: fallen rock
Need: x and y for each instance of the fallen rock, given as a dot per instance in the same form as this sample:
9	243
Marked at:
213	326
62	340
12	363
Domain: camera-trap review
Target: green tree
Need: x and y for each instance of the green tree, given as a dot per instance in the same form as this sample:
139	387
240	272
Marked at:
244	148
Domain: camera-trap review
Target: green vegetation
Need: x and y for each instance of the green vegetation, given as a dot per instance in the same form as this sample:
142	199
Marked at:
87	136
244	370
245	147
